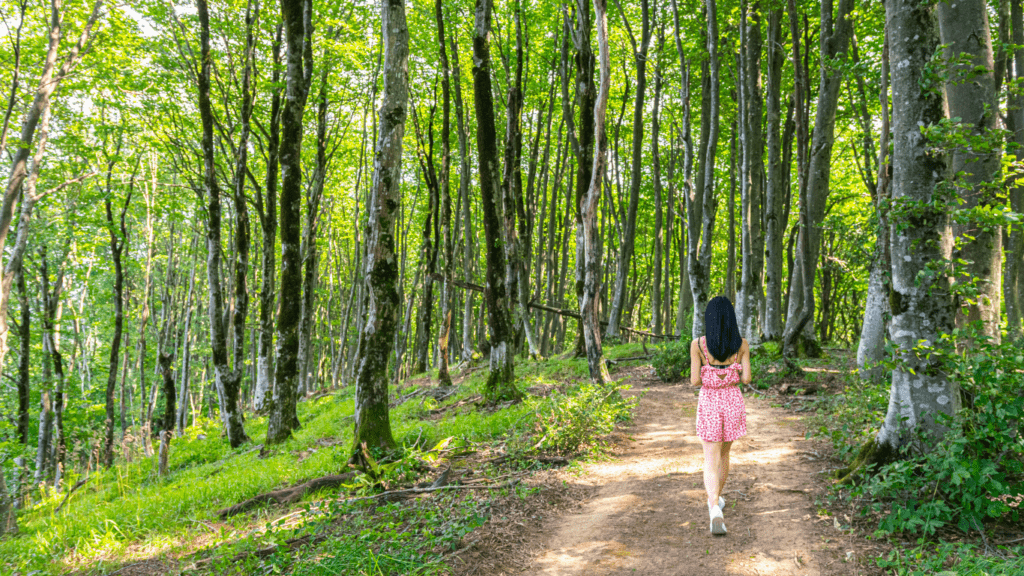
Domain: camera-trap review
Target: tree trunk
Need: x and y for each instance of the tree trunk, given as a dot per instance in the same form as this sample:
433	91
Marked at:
25	347
468	235
753	173
310	252
227	380
836	30
117	242
922	307
268	225
589	312
871	349
972	97
775	224
183	391
730	266
243	231
628	239
656	295
283	418
1013	280
501	380
167	371
581	140
372	423
447	292
38	113
51	301
702	220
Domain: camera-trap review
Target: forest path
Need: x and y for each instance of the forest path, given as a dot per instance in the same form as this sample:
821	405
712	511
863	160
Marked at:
647	514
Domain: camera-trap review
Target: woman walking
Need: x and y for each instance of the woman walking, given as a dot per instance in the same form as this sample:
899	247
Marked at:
719	361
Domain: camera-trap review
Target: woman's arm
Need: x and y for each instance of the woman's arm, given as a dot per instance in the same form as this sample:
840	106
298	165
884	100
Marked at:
745	360
694	363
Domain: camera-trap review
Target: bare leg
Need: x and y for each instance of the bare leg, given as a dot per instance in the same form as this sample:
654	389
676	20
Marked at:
713	479
723	467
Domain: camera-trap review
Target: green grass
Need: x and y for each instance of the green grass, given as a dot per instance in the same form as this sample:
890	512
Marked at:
129	513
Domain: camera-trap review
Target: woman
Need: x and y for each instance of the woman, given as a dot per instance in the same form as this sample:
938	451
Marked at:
716	363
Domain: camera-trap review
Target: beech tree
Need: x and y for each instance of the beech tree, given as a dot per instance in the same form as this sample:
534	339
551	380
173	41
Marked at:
228	381
372	424
501	379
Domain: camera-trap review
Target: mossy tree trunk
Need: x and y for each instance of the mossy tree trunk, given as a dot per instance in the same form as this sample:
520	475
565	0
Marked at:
447	292
266	208
581	137
501	379
283	418
226	379
372	423
920	298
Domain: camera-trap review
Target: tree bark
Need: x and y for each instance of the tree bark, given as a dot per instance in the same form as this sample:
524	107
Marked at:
971	96
226	380
283	418
1013	279
656	295
468	235
447	294
266	206
501	379
118	237
372	423
922	307
243	233
836	30
702	219
628	240
589	312
775	224
309	250
754	174
871	348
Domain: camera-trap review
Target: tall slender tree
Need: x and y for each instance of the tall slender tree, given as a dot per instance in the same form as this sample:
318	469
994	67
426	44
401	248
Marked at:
372	422
227	381
297	18
971	96
501	379
628	241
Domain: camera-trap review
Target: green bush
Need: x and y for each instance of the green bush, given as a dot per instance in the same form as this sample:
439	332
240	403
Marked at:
964	479
583	414
671	361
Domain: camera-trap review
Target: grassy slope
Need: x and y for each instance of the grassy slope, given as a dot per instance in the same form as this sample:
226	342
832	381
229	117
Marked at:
128	513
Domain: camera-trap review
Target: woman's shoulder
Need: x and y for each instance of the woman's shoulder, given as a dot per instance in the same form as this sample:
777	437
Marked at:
744	345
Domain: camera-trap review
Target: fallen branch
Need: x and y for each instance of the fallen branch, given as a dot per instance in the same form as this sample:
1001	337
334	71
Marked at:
390	495
286	495
617	360
77	485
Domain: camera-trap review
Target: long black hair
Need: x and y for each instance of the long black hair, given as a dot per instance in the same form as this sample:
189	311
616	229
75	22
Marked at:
723	334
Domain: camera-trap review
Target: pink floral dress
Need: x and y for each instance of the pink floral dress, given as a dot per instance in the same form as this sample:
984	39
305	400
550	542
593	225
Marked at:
721	413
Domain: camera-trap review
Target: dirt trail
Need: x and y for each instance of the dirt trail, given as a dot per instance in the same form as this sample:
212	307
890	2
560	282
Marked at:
647	514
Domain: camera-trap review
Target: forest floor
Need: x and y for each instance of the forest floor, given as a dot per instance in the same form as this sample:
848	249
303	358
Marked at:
641	510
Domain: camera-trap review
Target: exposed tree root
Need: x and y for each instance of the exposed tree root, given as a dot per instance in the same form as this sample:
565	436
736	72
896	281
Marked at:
286	495
871	453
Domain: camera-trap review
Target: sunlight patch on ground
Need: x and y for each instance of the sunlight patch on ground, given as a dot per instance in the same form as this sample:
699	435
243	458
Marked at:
762	456
771	563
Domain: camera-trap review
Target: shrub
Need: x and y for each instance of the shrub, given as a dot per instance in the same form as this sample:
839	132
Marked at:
583	414
964	479
671	361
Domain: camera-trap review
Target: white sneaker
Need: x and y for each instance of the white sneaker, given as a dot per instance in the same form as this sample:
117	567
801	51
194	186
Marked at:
717	521
721	504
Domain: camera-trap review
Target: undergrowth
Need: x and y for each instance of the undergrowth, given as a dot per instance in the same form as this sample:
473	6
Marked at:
969	482
129	513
